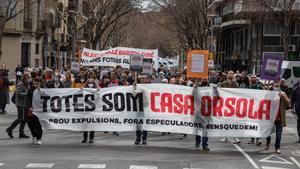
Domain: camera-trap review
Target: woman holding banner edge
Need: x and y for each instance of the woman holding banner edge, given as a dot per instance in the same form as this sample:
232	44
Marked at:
280	121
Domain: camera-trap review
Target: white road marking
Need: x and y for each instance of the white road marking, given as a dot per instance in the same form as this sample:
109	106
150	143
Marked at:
247	156
296	153
268	167
295	161
98	166
280	161
39	165
142	167
1	164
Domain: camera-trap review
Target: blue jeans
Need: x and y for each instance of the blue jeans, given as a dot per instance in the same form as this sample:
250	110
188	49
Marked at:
139	135
278	133
204	141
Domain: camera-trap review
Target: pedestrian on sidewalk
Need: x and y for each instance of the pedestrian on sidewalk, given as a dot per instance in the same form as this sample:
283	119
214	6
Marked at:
4	91
280	121
21	96
295	105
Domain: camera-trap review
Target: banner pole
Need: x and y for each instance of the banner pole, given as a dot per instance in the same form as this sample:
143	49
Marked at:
135	81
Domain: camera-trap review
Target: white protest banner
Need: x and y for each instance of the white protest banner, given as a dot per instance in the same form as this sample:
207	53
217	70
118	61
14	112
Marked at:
113	57
161	108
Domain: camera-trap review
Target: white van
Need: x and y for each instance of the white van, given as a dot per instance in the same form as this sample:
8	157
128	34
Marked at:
290	71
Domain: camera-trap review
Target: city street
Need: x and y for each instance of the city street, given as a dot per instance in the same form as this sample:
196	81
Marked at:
64	150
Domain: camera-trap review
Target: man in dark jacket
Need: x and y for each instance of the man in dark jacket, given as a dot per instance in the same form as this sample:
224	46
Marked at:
295	105
230	83
21	103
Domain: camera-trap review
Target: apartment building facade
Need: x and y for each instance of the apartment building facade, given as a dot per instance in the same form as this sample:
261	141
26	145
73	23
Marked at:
243	29
35	37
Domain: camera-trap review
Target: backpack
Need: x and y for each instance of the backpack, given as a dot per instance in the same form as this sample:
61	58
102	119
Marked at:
13	98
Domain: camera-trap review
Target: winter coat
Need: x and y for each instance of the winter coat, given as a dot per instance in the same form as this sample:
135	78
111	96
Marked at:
4	91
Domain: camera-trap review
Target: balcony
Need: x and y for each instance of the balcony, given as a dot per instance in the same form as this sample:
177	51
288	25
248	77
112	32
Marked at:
214	4
235	23
250	6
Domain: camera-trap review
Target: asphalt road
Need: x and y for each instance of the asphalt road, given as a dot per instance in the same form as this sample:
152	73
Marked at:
63	150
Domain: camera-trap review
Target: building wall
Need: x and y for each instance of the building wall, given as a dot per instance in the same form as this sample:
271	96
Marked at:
263	35
11	52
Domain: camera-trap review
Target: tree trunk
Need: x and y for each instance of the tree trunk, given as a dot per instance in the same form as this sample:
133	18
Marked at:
2	24
1	35
94	45
74	37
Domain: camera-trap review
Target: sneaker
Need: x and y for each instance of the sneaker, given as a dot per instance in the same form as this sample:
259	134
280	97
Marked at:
267	146
137	142
277	151
23	136
258	143
9	132
298	141
33	140
251	141
115	134
224	139
91	140
4	112
197	146
144	142
236	141
38	142
84	141
205	149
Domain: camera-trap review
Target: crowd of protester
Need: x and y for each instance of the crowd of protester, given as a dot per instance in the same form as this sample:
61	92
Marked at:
29	79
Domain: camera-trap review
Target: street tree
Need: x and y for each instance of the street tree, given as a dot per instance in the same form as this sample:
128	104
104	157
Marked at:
284	13
187	19
104	18
9	10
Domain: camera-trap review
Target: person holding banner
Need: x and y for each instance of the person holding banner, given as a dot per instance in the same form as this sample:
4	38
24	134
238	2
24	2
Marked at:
110	81
55	83
230	83
143	79
254	84
280	121
177	79
204	83
68	80
33	121
123	79
90	83
80	79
